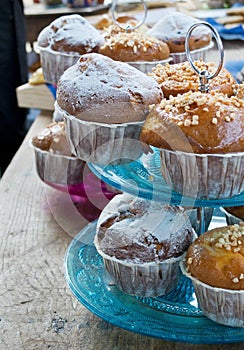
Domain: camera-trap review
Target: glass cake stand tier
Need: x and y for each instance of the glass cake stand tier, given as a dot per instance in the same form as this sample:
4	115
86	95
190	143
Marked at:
174	317
143	178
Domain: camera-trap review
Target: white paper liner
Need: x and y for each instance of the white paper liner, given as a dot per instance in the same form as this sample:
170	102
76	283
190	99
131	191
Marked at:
147	280
224	306
100	143
146	67
230	218
199	54
58	169
54	63
209	176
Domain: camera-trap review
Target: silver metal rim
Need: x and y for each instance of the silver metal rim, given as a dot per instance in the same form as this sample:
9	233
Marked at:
204	76
128	27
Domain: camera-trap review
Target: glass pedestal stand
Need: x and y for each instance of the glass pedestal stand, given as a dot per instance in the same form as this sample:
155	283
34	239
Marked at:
175	316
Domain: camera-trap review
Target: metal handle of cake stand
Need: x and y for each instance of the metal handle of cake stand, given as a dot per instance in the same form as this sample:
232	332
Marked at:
128	27
204	75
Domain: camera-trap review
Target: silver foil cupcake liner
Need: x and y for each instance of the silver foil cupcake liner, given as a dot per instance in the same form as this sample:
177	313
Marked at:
58	169
103	143
54	63
223	306
205	176
199	54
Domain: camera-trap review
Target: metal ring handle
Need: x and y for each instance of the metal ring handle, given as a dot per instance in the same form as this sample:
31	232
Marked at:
204	76
128	27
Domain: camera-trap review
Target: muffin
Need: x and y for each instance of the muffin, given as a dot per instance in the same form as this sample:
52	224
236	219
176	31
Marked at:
54	162
179	78
63	41
141	243
107	24
201	142
234	215
104	108
239	91
139	50
172	30
215	264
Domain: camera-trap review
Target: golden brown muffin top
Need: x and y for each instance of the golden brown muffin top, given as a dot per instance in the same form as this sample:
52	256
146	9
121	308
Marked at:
134	46
196	122
179	78
217	257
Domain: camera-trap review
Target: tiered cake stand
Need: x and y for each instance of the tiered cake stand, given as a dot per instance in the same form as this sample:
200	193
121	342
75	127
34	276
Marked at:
175	316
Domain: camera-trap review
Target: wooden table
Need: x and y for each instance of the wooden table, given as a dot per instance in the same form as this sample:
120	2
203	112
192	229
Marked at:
37	224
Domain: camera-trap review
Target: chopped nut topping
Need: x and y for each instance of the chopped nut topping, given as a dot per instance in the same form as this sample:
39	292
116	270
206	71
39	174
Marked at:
215	121
189	261
187	122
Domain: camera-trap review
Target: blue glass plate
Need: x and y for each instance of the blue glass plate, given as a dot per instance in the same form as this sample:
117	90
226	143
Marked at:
143	178
174	317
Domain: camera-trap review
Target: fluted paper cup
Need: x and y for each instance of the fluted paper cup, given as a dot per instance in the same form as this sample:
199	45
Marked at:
223	306
199	54
144	279
205	176
57	168
146	67
54	63
100	143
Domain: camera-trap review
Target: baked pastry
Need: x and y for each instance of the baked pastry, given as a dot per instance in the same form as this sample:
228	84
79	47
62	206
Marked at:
172	30
215	263
201	142
106	24
63	41
239	90
141	243
135	48
104	108
179	78
54	162
234	215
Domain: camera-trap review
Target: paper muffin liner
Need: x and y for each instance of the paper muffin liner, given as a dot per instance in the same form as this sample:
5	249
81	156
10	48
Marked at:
103	144
199	54
224	306
230	218
144	279
54	63
146	67
205	176
57	168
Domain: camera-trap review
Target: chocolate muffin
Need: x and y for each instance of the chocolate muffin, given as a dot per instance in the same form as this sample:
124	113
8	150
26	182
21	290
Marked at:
141	243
